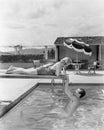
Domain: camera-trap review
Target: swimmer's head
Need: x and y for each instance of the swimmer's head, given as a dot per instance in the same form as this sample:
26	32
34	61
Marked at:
80	92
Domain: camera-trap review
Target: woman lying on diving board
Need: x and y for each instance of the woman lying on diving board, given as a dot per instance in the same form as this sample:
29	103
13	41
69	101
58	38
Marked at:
50	70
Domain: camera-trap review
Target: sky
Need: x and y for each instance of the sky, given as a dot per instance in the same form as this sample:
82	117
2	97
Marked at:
40	22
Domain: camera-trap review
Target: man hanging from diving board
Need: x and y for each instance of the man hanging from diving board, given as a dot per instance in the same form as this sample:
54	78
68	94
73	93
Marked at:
73	100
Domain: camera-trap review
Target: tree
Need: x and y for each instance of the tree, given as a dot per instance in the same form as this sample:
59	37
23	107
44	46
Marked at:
18	49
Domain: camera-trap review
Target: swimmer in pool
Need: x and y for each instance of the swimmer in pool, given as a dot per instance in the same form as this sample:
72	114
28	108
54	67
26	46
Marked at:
73	103
51	70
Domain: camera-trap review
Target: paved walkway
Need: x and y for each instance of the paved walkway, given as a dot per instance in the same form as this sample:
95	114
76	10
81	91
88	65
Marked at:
84	77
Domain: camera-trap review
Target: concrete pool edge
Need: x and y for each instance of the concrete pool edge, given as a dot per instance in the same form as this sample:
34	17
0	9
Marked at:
16	101
26	93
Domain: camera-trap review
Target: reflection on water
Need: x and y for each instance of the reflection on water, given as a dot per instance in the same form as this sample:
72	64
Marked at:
37	112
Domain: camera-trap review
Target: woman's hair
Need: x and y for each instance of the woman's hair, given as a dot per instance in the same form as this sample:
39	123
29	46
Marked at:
65	60
82	92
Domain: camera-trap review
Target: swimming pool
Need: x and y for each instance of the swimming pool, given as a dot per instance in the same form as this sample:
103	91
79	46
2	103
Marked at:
35	111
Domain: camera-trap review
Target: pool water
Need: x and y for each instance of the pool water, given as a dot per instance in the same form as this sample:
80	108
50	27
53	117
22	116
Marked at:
36	111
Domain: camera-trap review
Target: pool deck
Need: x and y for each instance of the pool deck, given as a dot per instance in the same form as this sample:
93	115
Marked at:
84	77
12	90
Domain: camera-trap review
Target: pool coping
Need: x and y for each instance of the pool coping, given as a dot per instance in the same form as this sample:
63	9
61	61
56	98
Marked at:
16	101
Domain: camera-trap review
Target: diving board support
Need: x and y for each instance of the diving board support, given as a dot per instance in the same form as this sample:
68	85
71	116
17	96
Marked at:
53	82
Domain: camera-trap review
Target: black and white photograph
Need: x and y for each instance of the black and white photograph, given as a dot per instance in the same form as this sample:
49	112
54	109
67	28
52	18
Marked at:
51	64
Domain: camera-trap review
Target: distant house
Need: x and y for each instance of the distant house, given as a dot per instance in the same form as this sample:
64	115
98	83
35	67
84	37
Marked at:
33	51
96	43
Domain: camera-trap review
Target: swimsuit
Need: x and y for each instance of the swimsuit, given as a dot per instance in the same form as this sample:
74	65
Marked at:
46	71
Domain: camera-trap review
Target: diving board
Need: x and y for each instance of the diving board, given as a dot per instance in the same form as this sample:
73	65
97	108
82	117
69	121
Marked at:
26	76
4	75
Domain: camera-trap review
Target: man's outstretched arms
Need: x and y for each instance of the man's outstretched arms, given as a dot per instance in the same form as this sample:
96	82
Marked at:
68	91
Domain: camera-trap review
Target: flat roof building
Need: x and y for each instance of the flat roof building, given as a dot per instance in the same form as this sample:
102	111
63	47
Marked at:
96	44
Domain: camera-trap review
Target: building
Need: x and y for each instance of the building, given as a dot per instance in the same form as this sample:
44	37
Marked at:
96	43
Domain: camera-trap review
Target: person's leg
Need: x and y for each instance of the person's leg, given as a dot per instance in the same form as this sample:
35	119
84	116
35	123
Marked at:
31	71
12	68
18	70
15	70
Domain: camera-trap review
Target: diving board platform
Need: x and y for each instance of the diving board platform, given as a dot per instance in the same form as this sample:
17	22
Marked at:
26	76
4	75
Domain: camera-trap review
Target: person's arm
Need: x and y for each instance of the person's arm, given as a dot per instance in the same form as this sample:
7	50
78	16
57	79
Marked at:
67	90
65	66
64	71
56	67
58	70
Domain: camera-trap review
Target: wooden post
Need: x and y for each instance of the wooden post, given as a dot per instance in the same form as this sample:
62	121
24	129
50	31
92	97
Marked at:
18	49
100	52
46	52
56	53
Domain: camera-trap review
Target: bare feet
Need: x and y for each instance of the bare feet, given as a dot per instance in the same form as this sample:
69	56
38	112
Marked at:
10	69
